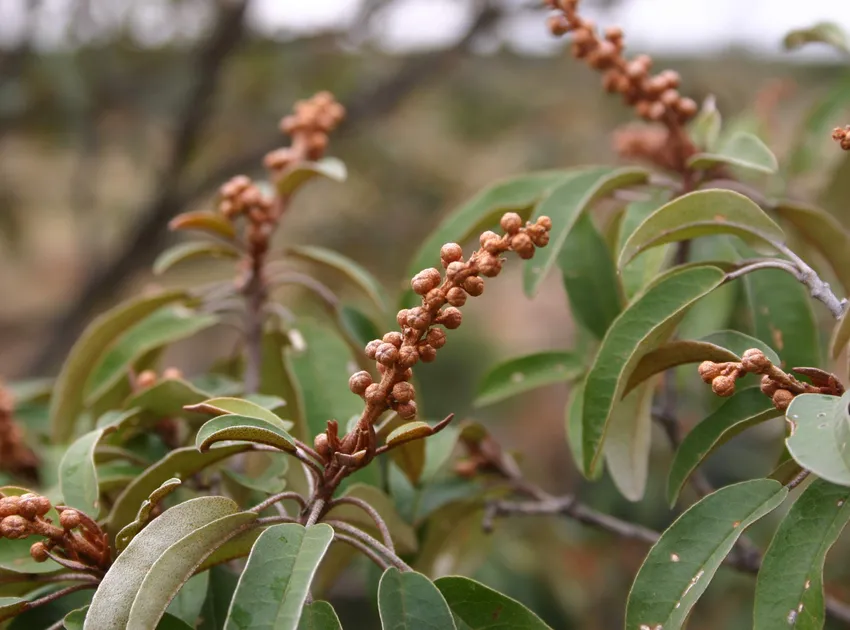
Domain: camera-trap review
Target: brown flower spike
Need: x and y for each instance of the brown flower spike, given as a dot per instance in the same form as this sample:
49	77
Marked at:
15	456
422	333
776	384
655	97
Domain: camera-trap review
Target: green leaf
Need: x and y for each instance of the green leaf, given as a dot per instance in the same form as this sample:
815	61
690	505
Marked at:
565	206
589	277
319	616
232	427
645	267
164	327
680	565
176	565
741	149
322	373
410	601
295	177
78	475
190	250
75	619
409	456
824	232
828	33
704	129
241	407
278	379
482	608
123	538
573	414
629	440
402	533
641	328
181	462
269	480
275	583
727	345
702	213
840	336
67	400
204	221
339	263
527	373
518	194
121	587
743	410
789	590
11	606
189	601
783	316
168	398
814	421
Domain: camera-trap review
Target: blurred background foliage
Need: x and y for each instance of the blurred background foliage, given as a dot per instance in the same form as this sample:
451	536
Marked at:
133	112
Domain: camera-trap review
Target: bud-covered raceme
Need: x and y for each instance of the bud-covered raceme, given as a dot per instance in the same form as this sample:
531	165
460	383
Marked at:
422	333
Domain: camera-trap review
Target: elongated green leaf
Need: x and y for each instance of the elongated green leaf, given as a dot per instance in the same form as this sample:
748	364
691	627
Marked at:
176	564
274	585
113	601
828	33
75	619
123	538
524	374
339	263
410	601
744	150
789	590
590	278
181	462
840	336
783	317
518	194
824	232
67	400
482	608
629	440
402	533
192	249
270	480
241	407
278	379
641	328
702	213
409	456
165	326
168	398
644	267
11	606
409	431
295	177
743	410
322	373
204	221
78	475
319	616
232	427
680	565
814	421
565	205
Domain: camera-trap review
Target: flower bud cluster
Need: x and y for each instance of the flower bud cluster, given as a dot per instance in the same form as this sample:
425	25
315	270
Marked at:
309	127
443	294
654	97
842	137
775	384
242	197
25	515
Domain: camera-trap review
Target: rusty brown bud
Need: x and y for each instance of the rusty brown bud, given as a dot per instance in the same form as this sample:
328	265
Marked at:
372	348
403	392
755	362
427	352
449	253
782	398
387	354
709	370
450	317
723	385
456	296
14	527
407	356
359	382
768	386
373	394
436	338
474	286
38	552
407	410
9	506
69	519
